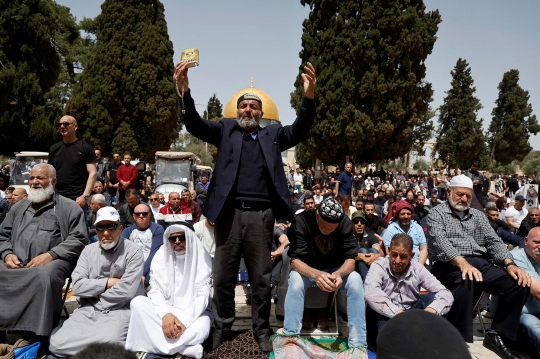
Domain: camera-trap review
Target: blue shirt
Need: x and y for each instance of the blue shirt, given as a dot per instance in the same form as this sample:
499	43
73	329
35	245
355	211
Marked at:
532	306
415	231
345	180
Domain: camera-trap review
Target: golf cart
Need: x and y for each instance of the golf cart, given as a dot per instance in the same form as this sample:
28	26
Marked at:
174	171
22	164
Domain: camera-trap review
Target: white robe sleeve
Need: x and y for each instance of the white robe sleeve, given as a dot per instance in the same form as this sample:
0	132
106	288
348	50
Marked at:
188	316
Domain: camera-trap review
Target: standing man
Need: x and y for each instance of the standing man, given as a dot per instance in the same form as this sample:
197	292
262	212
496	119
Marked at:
252	187
127	177
468	258
112	169
345	180
478	181
100	166
75	163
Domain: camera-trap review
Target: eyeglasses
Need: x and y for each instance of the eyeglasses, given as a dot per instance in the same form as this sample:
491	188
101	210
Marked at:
139	214
109	227
154	199
63	124
181	238
359	221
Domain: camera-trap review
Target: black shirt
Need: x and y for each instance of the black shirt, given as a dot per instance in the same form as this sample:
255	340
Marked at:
367	241
112	168
376	222
70	160
317	250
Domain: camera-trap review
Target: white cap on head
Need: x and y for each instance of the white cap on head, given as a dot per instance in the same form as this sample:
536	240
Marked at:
107	214
461	181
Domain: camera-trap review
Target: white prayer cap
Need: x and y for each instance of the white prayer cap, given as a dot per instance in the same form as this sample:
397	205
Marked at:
461	181
107	214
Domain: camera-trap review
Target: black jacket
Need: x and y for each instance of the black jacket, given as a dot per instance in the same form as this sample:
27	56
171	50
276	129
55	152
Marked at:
526	226
227	136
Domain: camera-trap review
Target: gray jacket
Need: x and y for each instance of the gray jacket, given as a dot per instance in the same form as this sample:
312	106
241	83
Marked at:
70	219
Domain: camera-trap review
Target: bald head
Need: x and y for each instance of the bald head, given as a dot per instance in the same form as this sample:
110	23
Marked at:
18	194
68	118
141	214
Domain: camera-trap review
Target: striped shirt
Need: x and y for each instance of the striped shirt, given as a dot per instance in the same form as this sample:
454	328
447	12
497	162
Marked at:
450	236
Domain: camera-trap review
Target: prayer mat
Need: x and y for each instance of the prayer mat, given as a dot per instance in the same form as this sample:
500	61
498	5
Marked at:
296	347
241	346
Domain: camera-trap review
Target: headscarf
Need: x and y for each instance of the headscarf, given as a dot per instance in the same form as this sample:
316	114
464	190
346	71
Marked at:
401	205
197	271
390	215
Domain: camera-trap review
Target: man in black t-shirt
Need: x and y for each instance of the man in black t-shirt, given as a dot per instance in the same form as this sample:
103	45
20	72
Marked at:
323	250
369	248
111	169
75	164
375	223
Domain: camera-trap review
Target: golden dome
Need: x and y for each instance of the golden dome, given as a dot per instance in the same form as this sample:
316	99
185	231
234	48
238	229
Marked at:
270	111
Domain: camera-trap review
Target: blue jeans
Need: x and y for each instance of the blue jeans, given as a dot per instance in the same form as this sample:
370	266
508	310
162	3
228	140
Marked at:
361	267
441	193
422	303
356	307
529	324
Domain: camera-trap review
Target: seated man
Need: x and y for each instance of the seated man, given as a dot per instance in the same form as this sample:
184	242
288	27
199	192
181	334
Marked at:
107	277
376	224
393	284
403	223
514	215
531	221
468	257
175	211
133	198
176	315
98	189
97	201
369	248
205	232
323	250
147	234
502	229
528	259
195	208
40	241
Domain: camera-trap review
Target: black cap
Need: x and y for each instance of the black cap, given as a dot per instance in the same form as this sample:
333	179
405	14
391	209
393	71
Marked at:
475	163
519	198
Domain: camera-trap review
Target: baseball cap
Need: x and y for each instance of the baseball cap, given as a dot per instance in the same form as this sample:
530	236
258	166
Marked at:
107	214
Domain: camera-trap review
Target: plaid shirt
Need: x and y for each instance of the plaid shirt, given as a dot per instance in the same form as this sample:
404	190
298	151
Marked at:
450	236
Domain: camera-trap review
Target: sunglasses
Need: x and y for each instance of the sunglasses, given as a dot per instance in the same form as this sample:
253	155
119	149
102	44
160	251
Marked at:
138	214
181	238
63	124
109	227
154	199
359	221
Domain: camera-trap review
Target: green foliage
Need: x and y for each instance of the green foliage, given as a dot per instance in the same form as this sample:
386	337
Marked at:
460	139
33	37
395	165
423	132
531	163
302	156
512	121
420	165
215	109
125	99
189	143
371	94
503	169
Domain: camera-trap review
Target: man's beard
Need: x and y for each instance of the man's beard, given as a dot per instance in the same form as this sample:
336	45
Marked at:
180	252
107	246
247	122
404	223
40	194
458	207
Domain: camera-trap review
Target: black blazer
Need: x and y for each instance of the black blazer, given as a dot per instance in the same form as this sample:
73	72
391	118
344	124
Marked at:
227	136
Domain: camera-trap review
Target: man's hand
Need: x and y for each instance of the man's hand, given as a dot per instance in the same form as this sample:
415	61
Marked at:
520	275
336	277
276	253
40	260
172	327
468	270
181	76
81	201
369	258
12	262
325	281
112	281
309	81
431	310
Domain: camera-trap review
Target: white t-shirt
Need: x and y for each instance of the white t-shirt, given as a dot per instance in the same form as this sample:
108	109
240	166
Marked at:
206	235
517	215
144	239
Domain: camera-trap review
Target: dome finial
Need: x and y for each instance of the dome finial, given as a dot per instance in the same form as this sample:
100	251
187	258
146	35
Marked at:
251	81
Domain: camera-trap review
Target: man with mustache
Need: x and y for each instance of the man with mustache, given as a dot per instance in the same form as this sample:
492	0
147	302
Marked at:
248	189
40	241
469	257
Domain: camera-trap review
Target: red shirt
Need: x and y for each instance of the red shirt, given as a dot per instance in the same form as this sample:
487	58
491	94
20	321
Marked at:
127	173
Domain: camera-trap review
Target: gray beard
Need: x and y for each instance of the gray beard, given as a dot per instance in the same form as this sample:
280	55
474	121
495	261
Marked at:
40	195
247	123
457	207
107	246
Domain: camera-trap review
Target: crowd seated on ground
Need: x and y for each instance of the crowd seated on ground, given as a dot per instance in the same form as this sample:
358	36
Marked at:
145	279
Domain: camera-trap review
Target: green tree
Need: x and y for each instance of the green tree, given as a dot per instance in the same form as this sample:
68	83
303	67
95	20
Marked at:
302	156
420	165
125	99
32	37
189	143
215	109
512	122
459	137
370	59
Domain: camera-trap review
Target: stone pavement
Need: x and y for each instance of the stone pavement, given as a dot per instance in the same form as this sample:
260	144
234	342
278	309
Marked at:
243	321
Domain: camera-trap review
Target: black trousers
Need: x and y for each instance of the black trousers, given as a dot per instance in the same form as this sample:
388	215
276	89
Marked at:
496	281
247	234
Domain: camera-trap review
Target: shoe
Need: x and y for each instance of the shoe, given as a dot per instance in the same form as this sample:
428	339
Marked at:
308	322
493	341
217	340
322	322
486	314
264	344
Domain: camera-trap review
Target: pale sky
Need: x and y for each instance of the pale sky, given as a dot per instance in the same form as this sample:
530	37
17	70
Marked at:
238	39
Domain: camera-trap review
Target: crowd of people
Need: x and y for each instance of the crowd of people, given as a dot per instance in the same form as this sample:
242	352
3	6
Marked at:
159	276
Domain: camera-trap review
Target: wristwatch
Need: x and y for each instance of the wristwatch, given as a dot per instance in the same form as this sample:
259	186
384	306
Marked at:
86	197
510	264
